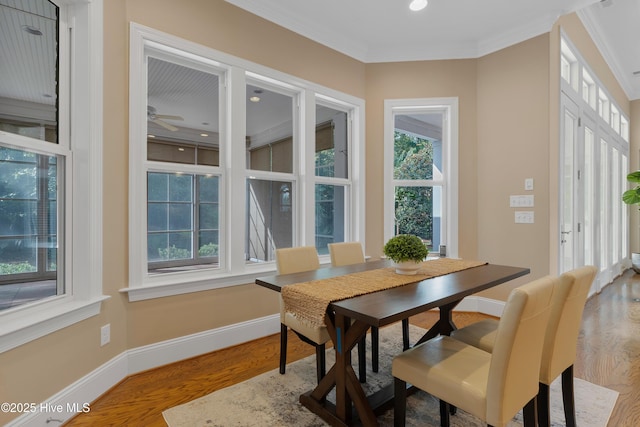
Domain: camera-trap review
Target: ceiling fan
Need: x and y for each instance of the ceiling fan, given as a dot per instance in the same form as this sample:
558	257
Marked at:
159	119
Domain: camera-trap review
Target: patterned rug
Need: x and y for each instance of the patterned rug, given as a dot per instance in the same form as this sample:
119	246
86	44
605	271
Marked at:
271	399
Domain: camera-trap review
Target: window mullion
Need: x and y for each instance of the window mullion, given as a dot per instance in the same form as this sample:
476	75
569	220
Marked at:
233	254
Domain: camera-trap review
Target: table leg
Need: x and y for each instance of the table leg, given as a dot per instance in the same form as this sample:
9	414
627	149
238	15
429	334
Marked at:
349	393
444	325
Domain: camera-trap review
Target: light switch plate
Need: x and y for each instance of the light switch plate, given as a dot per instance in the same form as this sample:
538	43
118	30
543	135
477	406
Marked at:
528	184
525	201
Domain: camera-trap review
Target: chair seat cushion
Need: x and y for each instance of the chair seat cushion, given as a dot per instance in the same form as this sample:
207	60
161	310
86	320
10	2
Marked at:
319	335
481	334
443	365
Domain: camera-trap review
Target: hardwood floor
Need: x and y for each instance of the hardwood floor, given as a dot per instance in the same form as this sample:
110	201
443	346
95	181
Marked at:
608	354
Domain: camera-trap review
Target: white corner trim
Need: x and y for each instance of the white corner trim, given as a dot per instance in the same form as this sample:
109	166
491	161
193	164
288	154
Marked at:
482	305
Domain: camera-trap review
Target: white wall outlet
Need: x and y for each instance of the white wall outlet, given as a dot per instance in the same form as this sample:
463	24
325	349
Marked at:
528	184
524	217
105	334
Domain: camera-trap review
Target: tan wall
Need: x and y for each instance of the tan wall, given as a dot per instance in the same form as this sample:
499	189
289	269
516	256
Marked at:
506	135
513	144
422	79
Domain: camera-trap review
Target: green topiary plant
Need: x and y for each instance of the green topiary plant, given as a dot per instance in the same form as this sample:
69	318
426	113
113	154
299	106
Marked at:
405	247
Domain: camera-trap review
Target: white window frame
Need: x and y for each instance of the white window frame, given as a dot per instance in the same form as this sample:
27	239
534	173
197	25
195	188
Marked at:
80	143
449	161
607	137
233	269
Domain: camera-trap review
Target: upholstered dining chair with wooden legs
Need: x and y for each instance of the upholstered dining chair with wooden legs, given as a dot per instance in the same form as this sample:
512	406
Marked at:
297	260
561	339
347	253
491	386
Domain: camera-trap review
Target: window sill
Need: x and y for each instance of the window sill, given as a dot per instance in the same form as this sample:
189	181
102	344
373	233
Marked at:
171	286
37	322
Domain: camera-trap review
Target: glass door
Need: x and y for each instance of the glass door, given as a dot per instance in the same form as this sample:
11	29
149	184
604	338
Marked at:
571	242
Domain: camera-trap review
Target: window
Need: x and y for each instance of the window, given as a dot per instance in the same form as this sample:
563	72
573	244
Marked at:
593	175
333	186
569	66
588	89
183	159
28	180
604	106
40	288
271	143
420	179
222	165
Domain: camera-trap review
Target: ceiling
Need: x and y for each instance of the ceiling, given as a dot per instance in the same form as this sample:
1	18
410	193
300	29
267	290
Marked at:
386	30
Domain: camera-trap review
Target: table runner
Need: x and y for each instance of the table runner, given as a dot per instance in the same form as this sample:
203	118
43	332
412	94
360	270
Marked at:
308	301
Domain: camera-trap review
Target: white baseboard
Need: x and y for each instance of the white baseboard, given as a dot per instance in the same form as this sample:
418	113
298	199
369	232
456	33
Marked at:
77	397
481	305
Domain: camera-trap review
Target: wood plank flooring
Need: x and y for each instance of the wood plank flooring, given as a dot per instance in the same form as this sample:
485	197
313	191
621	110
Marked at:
608	354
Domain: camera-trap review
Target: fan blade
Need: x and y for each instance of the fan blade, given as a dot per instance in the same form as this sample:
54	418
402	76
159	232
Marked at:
165	125
168	117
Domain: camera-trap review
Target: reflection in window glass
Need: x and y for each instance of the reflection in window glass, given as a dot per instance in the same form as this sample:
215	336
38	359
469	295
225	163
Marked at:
330	216
269	223
182	219
28	225
332	143
31	247
29	69
269	130
182	114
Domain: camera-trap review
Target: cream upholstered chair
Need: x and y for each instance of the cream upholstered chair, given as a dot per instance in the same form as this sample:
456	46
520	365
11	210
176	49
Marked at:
297	260
492	386
559	351
347	253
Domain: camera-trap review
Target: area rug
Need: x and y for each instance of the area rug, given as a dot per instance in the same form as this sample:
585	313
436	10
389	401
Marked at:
271	399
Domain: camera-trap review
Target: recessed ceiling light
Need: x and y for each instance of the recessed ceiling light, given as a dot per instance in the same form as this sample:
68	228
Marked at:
254	99
204	134
32	30
417	5
151	136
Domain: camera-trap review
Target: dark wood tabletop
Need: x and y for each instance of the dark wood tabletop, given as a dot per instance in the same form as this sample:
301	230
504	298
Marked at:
391	305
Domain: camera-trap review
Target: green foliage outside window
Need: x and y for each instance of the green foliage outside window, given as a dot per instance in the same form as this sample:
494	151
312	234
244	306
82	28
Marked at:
413	159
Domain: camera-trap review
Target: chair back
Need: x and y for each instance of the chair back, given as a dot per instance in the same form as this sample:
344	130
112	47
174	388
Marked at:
517	351
346	253
559	351
297	260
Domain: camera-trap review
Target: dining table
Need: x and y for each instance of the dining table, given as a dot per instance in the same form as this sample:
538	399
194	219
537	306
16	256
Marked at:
348	319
